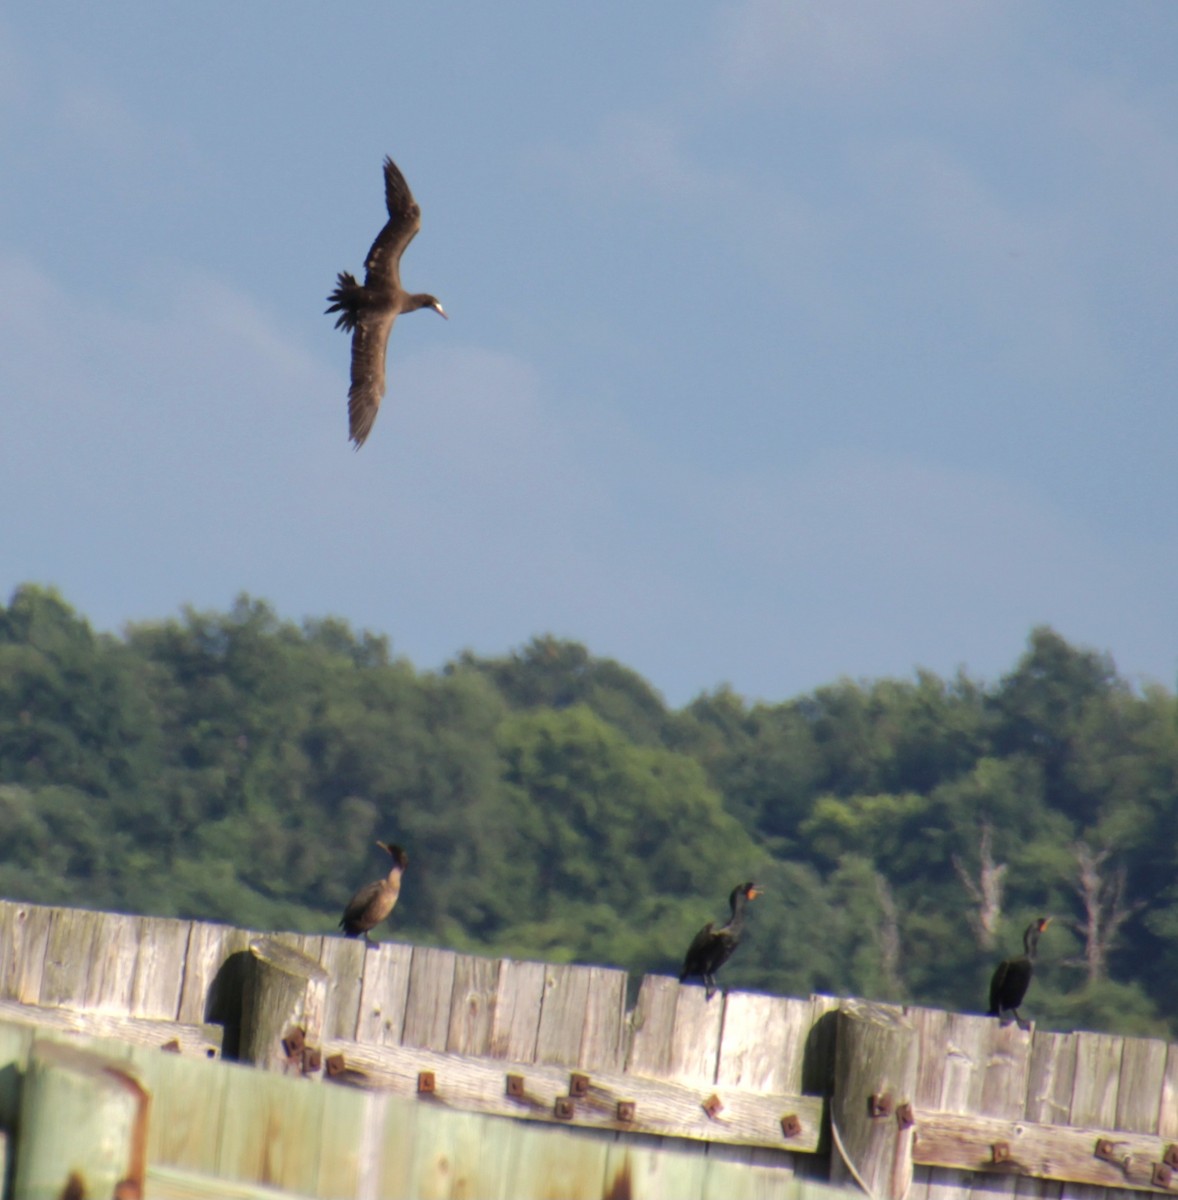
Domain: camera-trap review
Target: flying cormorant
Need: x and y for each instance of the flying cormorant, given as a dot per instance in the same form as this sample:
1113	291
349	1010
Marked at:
1013	977
374	901
368	312
711	948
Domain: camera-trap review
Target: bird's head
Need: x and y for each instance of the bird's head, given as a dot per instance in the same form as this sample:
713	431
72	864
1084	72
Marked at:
395	853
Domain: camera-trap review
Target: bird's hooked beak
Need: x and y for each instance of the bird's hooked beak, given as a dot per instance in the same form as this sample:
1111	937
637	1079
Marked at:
437	307
754	892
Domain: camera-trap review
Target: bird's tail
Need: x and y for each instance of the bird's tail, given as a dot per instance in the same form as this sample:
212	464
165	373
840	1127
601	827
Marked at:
346	300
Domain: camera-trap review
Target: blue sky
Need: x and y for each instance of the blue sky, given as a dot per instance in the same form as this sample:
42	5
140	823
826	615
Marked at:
788	340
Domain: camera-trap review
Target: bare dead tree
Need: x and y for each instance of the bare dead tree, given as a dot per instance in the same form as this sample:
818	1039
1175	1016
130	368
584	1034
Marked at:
1102	894
889	937
985	891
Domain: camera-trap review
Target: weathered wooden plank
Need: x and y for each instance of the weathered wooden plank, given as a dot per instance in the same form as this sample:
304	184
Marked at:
931	1026
1061	1152
161	952
1168	1109
26	937
1094	1096
662	1107
1004	1094
431	987
187	1107
384	993
270	1131
343	1150
647	1166
603	1038
763	1042
515	1024
198	1041
562	1014
1050	1080
343	960
472	1004
651	1026
695	1036
89	961
545	1162
1139	1091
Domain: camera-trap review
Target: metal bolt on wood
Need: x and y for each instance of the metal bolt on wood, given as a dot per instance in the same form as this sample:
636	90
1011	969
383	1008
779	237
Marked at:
627	1110
515	1085
1000	1152
879	1104
295	1040
426	1083
1162	1175
713	1106
905	1117
564	1108
790	1125
578	1084
1106	1149
1170	1158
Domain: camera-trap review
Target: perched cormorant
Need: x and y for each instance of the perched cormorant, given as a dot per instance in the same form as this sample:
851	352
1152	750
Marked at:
374	901
368	312
1013	977
711	948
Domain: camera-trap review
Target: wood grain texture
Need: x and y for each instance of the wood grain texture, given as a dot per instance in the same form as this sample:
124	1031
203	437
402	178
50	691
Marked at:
431	988
1049	1151
662	1107
384	993
562	1014
606	1030
160	961
472	1004
519	995
193	1041
343	960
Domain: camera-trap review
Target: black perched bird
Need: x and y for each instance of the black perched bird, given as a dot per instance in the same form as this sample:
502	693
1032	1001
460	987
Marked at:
368	312
711	948
1013	977
374	901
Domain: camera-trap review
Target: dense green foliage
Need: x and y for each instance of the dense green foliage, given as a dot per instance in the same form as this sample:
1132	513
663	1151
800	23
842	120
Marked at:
239	767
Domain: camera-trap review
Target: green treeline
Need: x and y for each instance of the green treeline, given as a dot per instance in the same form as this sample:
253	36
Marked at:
239	767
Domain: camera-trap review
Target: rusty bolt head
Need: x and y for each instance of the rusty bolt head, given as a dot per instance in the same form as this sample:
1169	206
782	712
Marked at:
790	1125
1170	1158
312	1060
879	1104
626	1110
905	1117
1000	1152
295	1040
713	1106
1162	1175
564	1108
1106	1150
426	1083
578	1084
515	1085
335	1064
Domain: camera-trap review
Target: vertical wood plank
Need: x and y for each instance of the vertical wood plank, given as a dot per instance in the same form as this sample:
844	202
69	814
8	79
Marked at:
562	1014
162	948
270	1132
651	1024
427	1009
1139	1091
603	1038
1004	1094
343	960
1094	1095
384	993
187	1107
28	939
472	1004
90	961
516	1021
1051	1076
1168	1114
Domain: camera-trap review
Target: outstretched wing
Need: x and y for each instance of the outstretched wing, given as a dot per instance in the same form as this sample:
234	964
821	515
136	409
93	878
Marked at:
369	341
383	264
